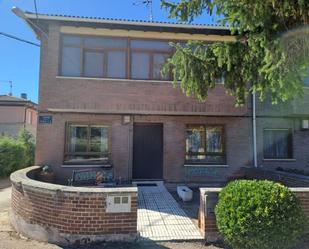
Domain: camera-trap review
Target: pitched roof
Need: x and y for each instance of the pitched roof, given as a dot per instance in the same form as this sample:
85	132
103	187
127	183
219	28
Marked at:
12	100
113	23
123	21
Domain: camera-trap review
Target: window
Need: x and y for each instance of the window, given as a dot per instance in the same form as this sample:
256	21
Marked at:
158	62
306	81
71	59
93	66
87	144
116	67
29	120
103	57
148	58
205	144
140	65
277	144
94	57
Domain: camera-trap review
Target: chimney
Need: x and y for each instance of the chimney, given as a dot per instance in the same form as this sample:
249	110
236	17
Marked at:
23	95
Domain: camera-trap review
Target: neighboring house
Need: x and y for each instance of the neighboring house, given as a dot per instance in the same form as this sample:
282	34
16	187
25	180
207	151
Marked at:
283	133
104	103
16	114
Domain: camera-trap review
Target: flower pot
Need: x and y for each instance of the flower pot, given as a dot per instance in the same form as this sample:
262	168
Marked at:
184	193
47	177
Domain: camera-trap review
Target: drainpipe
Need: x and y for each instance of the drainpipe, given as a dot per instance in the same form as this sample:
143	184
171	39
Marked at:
25	117
254	129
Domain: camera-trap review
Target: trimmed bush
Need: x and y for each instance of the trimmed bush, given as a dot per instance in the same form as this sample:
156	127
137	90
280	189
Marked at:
16	153
255	214
27	139
12	155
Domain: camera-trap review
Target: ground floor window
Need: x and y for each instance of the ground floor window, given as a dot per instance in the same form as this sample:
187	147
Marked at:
278	144
88	144
205	144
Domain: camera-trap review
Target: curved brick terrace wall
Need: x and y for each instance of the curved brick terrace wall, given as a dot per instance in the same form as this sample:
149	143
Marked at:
69	215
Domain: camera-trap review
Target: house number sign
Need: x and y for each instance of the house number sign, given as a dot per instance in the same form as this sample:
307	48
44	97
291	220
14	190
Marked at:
45	119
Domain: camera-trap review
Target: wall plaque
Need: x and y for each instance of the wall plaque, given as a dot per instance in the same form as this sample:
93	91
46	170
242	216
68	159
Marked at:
45	119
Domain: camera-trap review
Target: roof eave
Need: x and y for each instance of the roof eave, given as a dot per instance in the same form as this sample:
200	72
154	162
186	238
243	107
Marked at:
18	103
125	22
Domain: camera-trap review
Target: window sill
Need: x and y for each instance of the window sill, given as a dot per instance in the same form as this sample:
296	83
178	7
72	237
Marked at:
207	165
112	79
86	166
279	160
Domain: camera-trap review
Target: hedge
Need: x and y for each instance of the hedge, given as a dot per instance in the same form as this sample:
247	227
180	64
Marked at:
255	214
16	153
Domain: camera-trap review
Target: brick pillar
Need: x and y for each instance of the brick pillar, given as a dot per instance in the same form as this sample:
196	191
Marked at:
207	218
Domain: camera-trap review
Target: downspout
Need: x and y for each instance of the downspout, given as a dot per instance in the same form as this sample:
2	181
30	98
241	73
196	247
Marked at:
254	129
25	117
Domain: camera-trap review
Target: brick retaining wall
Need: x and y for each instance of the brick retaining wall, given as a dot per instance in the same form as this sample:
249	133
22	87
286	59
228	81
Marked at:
286	178
69	215
303	195
209	199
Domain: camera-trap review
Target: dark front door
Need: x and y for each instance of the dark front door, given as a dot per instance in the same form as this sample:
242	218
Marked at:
147	151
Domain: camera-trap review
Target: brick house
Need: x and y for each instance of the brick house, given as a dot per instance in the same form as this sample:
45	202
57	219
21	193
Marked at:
16	114
103	103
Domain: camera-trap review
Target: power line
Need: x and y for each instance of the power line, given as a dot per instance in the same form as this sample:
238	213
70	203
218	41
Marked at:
19	39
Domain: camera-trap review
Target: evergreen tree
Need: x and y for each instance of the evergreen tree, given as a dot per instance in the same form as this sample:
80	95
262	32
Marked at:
270	54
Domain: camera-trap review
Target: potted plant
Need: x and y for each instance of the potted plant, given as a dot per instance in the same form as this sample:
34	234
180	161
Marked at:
47	174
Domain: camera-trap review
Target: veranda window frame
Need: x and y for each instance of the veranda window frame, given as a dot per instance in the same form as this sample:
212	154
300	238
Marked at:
128	53
151	53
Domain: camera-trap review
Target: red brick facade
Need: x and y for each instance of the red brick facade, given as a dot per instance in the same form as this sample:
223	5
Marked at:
106	101
237	150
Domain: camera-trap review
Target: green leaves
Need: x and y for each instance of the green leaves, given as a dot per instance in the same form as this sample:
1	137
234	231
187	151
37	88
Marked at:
28	140
271	56
187	10
16	153
259	215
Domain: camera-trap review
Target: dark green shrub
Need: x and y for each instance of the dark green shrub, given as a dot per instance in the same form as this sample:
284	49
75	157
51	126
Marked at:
255	214
28	140
12	155
16	153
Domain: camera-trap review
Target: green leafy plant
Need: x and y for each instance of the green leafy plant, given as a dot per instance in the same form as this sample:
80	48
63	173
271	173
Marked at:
269	56
16	153
12	155
28	140
255	214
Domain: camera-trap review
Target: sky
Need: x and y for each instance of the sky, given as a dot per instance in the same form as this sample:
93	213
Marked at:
19	62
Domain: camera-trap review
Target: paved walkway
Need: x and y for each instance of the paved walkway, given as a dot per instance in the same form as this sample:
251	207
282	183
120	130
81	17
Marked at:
161	219
5	203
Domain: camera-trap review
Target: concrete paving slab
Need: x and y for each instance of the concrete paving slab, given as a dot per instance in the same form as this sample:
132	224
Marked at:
160	218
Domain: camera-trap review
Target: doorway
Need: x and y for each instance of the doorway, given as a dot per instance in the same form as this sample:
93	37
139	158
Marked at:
147	151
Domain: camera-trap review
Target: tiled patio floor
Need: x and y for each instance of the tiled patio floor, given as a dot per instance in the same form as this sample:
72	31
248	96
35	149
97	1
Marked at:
160	218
